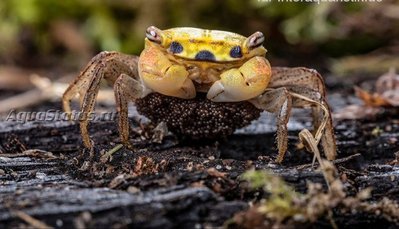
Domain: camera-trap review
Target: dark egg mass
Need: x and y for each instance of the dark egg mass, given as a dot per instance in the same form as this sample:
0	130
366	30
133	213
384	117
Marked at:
199	117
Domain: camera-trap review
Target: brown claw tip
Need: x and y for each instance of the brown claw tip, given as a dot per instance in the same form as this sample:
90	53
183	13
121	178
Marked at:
279	160
88	143
129	146
300	145
69	117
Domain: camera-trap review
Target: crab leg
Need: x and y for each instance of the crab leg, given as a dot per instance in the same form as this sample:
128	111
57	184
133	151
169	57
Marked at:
279	102
304	79
108	65
322	122
239	84
126	89
307	89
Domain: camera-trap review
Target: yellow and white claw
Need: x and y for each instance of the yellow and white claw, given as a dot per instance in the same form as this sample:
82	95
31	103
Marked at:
244	83
161	76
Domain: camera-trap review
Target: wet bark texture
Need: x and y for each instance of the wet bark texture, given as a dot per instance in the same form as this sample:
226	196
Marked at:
178	183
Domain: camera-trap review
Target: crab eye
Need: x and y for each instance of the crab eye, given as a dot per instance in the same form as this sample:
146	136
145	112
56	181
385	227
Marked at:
154	34
235	52
255	40
176	47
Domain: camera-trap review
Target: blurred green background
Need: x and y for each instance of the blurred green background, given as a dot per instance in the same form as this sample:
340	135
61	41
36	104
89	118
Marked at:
338	37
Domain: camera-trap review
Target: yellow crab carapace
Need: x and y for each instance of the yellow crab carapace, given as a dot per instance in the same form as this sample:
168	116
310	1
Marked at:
182	61
227	67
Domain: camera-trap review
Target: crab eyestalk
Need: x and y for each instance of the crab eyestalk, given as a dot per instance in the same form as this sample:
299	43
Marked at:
255	40
156	35
252	46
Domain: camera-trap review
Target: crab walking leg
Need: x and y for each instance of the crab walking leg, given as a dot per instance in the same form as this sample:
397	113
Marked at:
126	89
307	138
328	138
310	84
161	75
297	77
81	83
239	84
279	102
322	130
87	84
305	97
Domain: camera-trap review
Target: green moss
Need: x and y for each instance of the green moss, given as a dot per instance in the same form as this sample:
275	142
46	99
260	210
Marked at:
279	204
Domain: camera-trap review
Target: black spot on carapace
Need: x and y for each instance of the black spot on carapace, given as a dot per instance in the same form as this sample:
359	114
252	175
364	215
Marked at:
176	47
205	55
235	52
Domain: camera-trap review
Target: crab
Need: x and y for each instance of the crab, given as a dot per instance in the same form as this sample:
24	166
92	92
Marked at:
225	71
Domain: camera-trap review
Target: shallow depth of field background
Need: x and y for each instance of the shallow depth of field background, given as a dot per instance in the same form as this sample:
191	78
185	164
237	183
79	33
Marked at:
340	38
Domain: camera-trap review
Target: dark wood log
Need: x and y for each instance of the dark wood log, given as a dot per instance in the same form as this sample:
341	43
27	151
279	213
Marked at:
175	183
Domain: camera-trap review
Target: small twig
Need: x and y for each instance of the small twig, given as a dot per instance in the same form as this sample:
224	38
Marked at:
31	221
31	153
25	99
337	161
45	90
345	159
108	154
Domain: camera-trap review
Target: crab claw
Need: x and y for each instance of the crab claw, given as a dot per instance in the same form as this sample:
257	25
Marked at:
173	82
160	75
244	83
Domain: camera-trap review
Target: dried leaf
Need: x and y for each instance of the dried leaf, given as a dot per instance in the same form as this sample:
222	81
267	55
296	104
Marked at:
386	95
373	100
387	91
